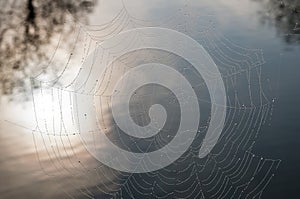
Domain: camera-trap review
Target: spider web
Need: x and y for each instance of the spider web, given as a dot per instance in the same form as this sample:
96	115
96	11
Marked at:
231	170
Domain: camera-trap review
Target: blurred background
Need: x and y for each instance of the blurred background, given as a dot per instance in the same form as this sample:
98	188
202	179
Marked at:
48	40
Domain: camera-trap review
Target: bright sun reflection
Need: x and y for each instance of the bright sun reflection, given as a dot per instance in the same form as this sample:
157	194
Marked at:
53	110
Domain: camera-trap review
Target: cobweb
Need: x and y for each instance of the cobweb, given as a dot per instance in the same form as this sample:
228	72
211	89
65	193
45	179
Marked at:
231	170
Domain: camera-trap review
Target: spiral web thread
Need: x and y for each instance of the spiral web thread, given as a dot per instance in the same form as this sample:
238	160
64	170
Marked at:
231	170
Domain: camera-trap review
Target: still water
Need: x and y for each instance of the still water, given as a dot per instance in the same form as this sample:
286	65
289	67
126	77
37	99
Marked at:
254	44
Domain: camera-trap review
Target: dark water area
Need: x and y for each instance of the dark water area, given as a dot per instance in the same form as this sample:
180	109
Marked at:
279	139
256	46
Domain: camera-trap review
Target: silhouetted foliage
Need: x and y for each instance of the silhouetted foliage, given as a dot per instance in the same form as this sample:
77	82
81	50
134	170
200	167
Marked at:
285	14
25	28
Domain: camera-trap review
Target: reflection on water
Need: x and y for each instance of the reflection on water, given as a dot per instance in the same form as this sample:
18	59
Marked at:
27	31
285	14
37	165
44	164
